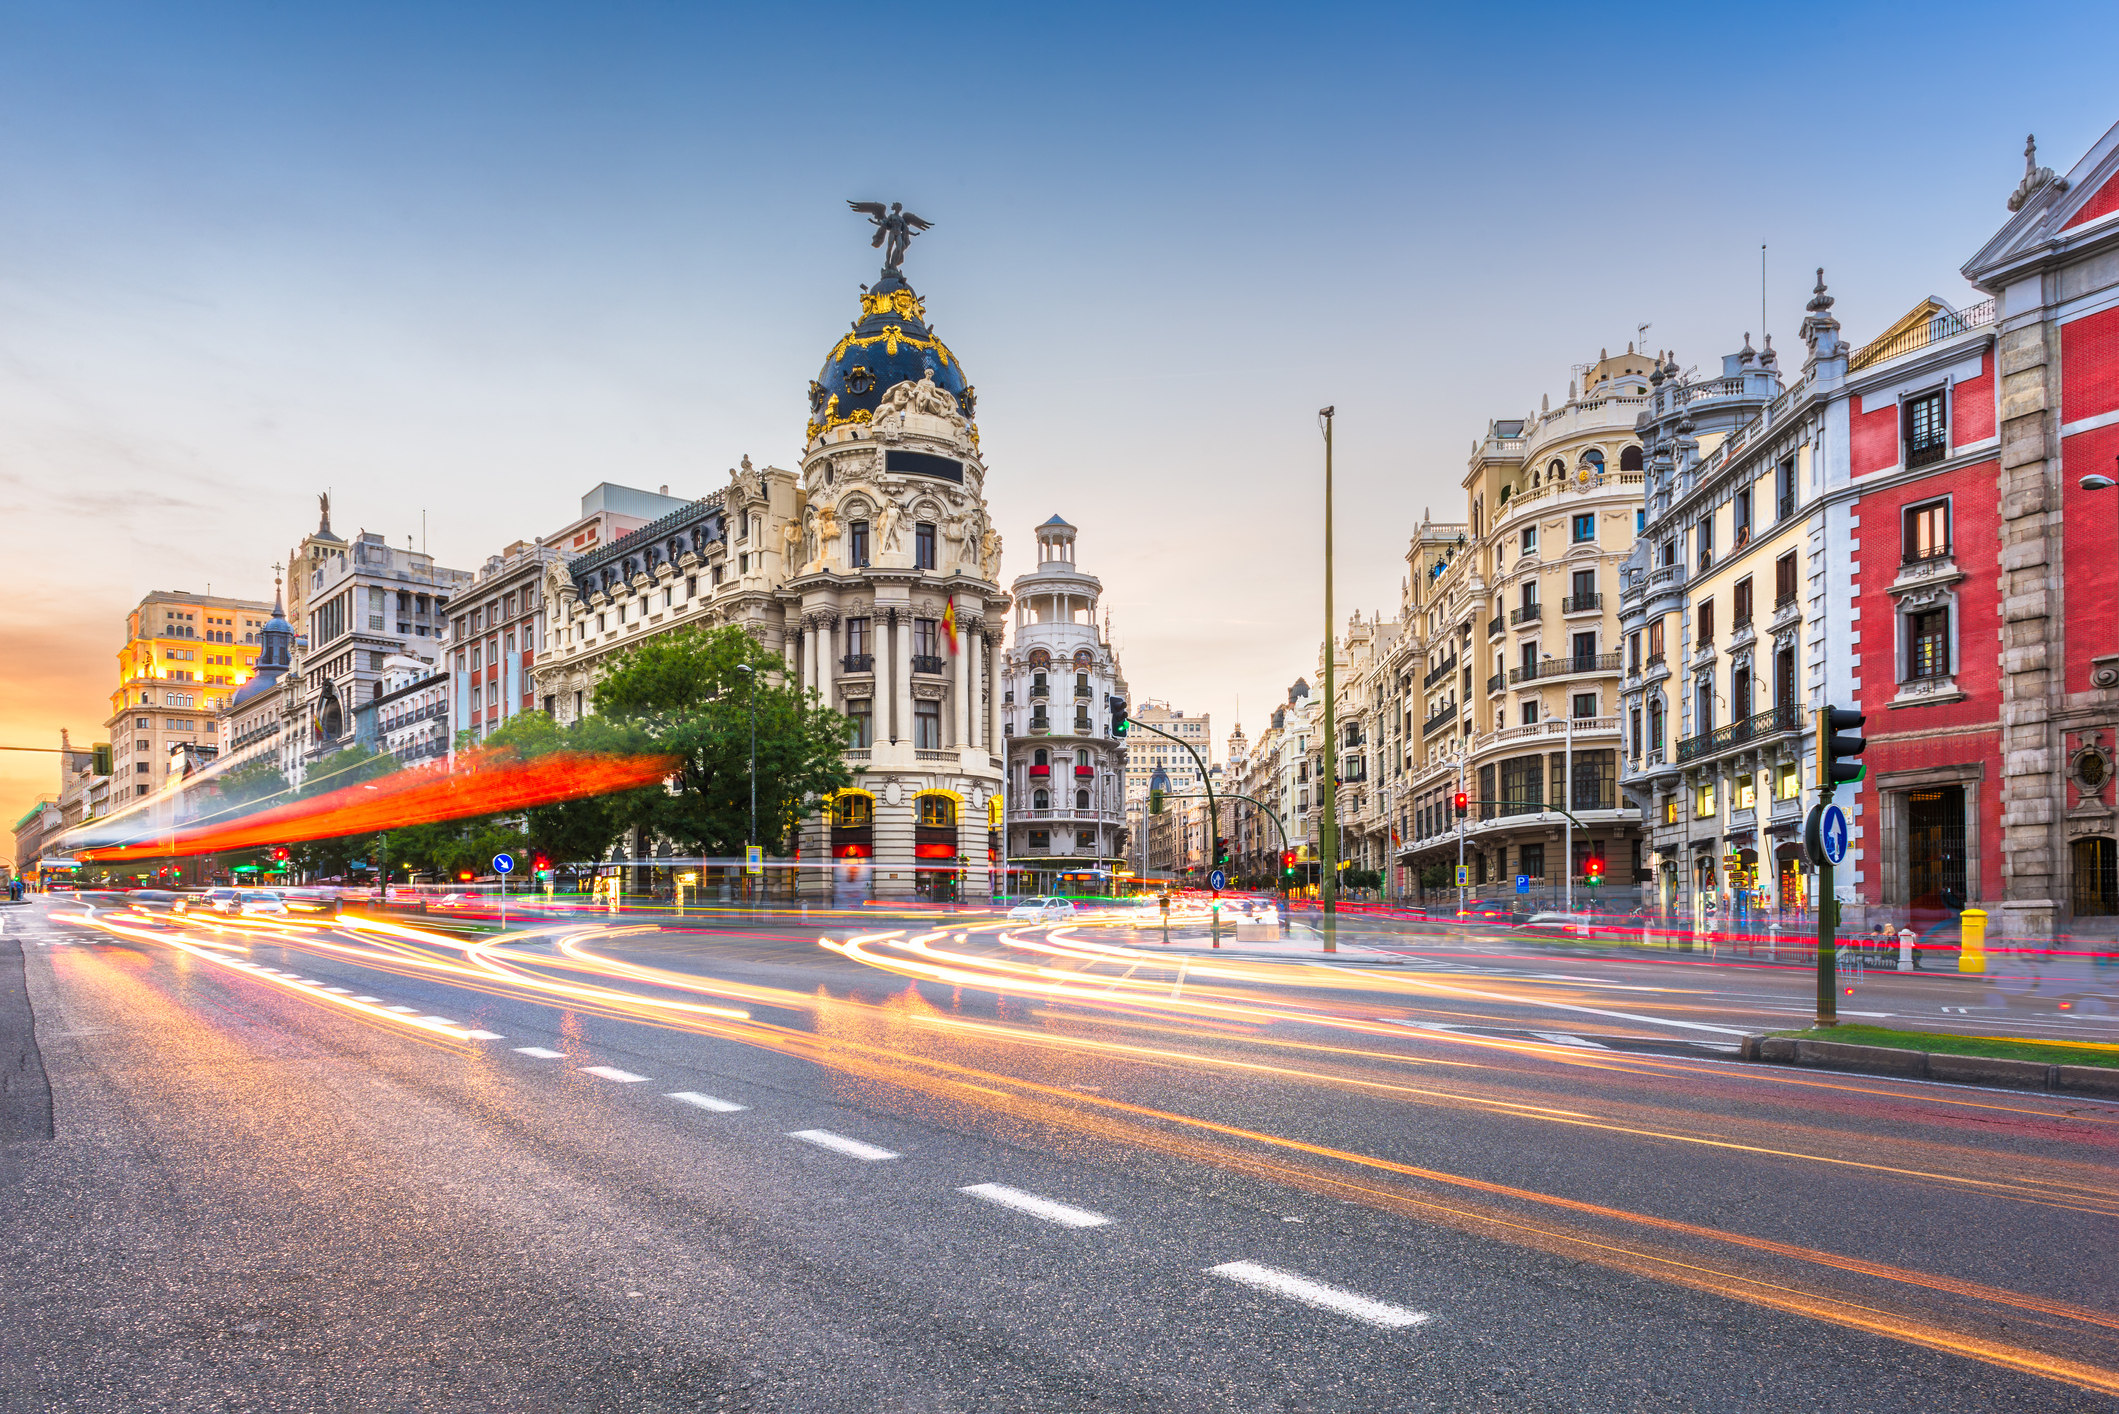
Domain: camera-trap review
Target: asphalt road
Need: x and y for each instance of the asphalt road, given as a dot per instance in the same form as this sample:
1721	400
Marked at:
614	1164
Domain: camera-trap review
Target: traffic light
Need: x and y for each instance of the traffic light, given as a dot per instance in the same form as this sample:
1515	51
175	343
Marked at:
1594	868
1221	852
279	855
540	864
1155	801
1118	716
1464	805
1835	752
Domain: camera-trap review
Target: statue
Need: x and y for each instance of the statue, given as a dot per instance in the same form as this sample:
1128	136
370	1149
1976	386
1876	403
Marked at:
323	508
791	540
961	531
925	396
748	484
894	231
890	531
990	556
827	530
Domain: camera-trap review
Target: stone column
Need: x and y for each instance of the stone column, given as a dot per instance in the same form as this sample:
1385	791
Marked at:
964	676
2030	883
901	675
993	695
810	665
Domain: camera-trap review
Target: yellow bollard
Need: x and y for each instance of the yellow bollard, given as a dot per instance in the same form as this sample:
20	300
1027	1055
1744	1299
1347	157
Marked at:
1972	951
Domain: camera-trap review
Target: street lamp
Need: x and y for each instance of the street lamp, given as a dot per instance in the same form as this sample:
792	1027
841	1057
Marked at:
752	674
1327	792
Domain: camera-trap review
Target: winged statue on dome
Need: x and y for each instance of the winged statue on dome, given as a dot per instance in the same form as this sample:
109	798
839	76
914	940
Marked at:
895	229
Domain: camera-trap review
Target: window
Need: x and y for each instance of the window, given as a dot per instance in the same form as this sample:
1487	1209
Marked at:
1529	656
1633	733
1740	611
937	811
923	546
1041	800
1670	809
927	726
1927	434
1529	544
1740	512
691	586
142	723
1929	645
1743	792
852	812
1706	542
1633	652
1585	705
857	544
1040	841
1585	652
1784	580
508	607
1703	706
1585	591
1081	800
1784	489
1790	784
1085	839
1530	712
1585	527
1706	621
1630	459
1655	641
1927	532
862	710
1670	553
1703	800
1530	859
926	646
857	637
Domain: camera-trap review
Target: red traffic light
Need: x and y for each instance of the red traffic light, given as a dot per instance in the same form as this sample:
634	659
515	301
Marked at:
1463	803
540	862
280	854
1287	859
1595	866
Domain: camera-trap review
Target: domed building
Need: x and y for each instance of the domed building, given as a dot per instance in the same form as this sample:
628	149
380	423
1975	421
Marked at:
874	569
250	725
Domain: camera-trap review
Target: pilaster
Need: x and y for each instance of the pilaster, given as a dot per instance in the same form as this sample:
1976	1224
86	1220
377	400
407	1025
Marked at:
2027	584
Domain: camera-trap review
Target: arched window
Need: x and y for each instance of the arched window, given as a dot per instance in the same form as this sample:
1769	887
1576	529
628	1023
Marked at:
1081	800
937	810
1556	471
1040	800
1039	757
1630	459
852	812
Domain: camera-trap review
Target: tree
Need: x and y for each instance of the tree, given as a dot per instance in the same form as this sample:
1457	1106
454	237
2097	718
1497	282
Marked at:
331	858
688	694
569	831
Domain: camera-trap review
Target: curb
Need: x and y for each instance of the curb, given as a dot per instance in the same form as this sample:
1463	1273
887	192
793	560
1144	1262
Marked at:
2094	1080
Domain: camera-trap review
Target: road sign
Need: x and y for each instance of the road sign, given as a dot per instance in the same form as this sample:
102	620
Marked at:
1522	883
754	859
1826	834
1217	881
503	863
1464	875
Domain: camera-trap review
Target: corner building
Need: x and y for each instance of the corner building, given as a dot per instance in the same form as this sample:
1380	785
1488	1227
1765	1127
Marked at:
851	569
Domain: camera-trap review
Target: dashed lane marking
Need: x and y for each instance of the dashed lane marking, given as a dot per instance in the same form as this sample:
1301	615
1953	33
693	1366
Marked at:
1561	1038
612	1072
1316	1293
540	1053
840	1144
705	1102
1060	1213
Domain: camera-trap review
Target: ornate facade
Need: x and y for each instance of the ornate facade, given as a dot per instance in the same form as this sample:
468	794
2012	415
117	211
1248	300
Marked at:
873	571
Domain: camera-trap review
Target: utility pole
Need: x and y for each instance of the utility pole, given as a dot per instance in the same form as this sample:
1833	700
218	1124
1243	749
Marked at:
1568	790
1327	794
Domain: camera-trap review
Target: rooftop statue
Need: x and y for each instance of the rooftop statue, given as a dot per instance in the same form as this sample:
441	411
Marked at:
895	229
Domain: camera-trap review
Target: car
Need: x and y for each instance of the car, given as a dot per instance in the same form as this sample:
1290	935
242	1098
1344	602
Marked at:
1042	910
217	900
262	901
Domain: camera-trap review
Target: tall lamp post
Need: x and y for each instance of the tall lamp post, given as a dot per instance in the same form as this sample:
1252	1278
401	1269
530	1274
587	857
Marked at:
752	673
1327	794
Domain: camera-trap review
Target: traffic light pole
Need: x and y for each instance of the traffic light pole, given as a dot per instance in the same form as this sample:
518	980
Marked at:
1213	817
1327	794
1831	771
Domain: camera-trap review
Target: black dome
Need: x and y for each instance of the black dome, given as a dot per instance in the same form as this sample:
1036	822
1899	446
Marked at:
890	345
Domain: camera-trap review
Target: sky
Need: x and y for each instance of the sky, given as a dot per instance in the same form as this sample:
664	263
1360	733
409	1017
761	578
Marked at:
458	263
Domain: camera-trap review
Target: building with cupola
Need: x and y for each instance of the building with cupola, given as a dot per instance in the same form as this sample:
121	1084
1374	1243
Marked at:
873	570
1060	678
251	725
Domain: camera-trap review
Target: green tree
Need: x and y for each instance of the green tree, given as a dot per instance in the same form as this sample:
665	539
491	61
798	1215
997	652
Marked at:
569	831
689	694
356	765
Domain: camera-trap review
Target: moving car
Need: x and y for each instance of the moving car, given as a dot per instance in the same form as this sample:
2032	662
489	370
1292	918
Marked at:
1041	910
219	900
262	901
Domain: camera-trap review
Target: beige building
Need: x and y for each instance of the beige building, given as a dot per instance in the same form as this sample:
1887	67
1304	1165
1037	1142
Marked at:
183	659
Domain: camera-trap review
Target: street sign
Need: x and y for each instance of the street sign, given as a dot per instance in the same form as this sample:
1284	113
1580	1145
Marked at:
1464	875
1826	834
1522	883
754	859
503	863
1217	881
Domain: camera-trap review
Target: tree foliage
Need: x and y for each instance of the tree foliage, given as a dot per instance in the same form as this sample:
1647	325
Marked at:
693	694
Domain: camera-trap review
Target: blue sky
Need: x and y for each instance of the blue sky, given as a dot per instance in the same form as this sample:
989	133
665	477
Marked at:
473	259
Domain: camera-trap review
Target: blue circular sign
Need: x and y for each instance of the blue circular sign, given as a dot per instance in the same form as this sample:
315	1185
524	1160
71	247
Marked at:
1833	833
503	863
1217	880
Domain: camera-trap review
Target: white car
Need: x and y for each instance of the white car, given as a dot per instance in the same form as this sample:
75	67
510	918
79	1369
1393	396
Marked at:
263	901
1042	910
221	900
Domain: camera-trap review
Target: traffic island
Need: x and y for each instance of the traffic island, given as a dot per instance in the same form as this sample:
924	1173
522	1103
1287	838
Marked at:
2012	1062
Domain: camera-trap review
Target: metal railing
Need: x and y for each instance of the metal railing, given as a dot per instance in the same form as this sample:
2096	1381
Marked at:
927	663
1561	667
1440	720
1943	325
1495	625
1927	451
1439	671
1581	603
1494	683
1770	722
1526	613
858	663
1914	555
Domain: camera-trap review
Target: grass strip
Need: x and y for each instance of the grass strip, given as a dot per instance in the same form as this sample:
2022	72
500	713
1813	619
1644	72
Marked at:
2003	1047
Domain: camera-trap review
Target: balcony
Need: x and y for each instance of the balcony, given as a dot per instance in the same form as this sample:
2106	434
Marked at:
1526	614
1915	555
1758	727
1495	625
858	663
1040	690
1439	671
1581	603
1440	720
1565	667
1496	682
927	663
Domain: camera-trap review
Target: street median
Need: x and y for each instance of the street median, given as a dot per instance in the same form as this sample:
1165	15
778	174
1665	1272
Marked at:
2008	1062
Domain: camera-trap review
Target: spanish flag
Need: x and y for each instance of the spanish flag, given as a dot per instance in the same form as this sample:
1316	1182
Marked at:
949	626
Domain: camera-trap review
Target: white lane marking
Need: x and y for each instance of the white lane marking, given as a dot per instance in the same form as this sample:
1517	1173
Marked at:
342	991
612	1072
485	1035
540	1052
368	999
1561	1038
442	1019
839	1143
705	1102
1037	1207
401	1008
1315	1293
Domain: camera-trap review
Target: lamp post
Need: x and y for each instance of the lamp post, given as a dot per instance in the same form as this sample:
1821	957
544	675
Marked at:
1327	795
752	673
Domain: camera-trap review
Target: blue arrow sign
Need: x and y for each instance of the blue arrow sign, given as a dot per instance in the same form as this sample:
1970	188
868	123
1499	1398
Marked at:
503	863
1217	880
1833	833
